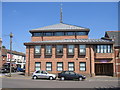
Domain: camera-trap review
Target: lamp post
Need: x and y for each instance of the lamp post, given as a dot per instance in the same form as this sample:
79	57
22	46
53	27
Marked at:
11	36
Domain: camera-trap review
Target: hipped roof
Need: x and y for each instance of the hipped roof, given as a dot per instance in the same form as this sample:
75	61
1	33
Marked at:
60	27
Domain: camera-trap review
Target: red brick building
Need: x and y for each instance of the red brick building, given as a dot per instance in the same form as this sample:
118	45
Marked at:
115	36
60	47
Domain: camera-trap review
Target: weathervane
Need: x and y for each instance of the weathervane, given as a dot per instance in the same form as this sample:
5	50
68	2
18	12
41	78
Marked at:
61	13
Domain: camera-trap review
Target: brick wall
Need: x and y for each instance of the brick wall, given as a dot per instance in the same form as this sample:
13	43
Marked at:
57	38
117	58
54	59
76	58
104	55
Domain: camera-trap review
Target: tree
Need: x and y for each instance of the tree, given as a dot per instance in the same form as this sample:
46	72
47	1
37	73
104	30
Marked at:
3	47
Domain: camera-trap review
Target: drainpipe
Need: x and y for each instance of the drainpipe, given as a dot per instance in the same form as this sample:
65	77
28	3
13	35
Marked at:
75	35
115	61
90	63
29	62
42	36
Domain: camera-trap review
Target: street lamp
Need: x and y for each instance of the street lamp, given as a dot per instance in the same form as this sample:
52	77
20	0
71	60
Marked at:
11	36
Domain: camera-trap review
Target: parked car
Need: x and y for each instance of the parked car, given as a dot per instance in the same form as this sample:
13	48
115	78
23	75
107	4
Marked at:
20	69
70	75
43	75
7	70
4	70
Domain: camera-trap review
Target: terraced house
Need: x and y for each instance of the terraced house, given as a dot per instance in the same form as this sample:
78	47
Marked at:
60	47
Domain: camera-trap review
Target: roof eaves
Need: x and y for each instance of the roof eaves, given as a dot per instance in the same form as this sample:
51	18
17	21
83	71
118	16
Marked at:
56	30
70	41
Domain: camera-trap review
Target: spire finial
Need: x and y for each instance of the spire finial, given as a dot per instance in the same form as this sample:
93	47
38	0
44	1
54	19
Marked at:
61	13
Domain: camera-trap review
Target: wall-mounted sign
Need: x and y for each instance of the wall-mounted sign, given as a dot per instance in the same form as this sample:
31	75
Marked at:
102	61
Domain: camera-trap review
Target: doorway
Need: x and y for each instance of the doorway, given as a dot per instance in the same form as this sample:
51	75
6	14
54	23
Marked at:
104	69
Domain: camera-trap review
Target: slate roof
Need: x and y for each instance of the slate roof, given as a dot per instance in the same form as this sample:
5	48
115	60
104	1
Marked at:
5	51
59	27
16	53
72	41
114	35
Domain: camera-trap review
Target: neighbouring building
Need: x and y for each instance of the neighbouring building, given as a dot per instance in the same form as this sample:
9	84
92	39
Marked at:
61	47
4	56
18	58
115	35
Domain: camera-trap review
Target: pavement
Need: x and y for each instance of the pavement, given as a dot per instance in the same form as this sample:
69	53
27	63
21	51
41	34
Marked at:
103	78
16	75
20	75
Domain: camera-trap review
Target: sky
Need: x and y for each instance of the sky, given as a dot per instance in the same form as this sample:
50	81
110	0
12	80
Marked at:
20	17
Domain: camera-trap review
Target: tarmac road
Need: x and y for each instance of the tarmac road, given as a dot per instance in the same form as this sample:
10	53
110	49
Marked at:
29	83
18	80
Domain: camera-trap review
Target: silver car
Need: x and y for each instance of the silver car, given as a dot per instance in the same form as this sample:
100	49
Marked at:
43	75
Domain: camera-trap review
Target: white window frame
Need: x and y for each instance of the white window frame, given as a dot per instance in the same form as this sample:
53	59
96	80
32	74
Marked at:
59	67
70	50
48	66
48	51
71	67
82	66
37	49
37	66
82	50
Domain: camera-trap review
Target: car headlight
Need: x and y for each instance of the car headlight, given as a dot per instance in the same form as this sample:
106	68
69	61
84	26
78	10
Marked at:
84	76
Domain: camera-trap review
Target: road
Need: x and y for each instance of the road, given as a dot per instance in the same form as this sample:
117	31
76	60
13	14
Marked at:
29	83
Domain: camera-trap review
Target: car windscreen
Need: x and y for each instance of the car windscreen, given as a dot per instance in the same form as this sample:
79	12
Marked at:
37	71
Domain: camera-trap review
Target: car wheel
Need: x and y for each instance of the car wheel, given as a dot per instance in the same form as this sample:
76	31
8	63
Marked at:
80	79
51	78
62	78
34	77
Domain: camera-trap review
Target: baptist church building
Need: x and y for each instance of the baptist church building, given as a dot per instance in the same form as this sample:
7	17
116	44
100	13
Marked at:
62	47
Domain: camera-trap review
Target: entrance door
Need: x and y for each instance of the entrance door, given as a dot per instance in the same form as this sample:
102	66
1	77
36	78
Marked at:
104	69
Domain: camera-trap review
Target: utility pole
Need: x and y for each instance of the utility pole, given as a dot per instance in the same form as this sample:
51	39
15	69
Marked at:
11	36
